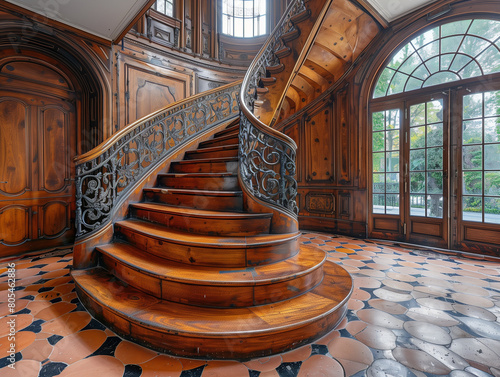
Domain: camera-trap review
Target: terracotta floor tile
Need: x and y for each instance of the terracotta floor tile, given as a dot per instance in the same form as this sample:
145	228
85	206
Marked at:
320	365
300	354
264	364
401	277
39	350
398	285
224	369
390	295
387	306
441	353
435	275
55	310
435	304
344	250
108	366
162	365
387	367
24	368
67	324
472	349
355	305
492	344
406	270
410	264
434	282
328	338
473	274
366	282
472	300
23	340
272	373
359	294
380	318
350	269
482	327
188	364
69	297
352	354
433	316
469	280
352	263
131	353
420	360
359	257
434	290
77	346
428	332
19	305
475	312
377	337
471	289
354	327
371	273
21	321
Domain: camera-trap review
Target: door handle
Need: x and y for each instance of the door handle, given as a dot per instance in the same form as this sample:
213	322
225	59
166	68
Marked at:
4	182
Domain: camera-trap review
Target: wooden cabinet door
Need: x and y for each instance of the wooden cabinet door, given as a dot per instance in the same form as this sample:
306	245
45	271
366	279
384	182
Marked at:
37	146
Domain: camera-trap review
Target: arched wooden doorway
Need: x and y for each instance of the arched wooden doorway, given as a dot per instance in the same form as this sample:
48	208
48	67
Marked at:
50	111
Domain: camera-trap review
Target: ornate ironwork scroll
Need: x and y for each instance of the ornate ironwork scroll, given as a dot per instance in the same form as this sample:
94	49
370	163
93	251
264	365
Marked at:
267	167
267	56
105	180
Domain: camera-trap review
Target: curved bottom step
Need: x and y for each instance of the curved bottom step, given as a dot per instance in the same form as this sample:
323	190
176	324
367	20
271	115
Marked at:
238	333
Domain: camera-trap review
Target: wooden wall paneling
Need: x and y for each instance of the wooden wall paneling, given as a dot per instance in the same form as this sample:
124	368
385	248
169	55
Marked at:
188	25
320	203
55	219
344	137
162	29
295	132
207	26
15	225
318	130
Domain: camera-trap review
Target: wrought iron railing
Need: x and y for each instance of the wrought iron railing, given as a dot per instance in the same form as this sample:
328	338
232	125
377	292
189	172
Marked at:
266	156
107	174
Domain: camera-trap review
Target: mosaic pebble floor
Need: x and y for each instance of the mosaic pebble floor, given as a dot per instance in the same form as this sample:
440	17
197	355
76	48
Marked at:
412	313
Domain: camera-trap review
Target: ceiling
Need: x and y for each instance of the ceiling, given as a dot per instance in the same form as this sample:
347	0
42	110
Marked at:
103	18
391	10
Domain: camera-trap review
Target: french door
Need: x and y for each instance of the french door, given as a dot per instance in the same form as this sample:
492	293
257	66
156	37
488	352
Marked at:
435	169
410	200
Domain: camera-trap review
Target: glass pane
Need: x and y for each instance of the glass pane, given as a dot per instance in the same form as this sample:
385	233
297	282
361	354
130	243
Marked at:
169	9
379	183
383	83
435	135
417	160
492	130
378	141
453	28
492	210
392	119
471	70
411	64
430	50
401	56
417	137
450	44
392	184
426	37
417	114
392	140
413	84
459	62
392	204
435	159
238	27
378	121
492	183
435	182
398	83
473	46
433	64
473	106
417	183
472	208
262	25
421	72
472	157
392	161
490	60
379	162
472	132
441	78
435	111
492	103
446	61
472	183
378	203
435	206
492	157
417	205
248	26
489	29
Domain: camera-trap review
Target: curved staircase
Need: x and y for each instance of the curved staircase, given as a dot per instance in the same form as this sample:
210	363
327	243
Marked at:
209	263
190	273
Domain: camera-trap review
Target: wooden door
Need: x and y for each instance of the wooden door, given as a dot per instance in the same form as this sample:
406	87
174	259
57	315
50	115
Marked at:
37	145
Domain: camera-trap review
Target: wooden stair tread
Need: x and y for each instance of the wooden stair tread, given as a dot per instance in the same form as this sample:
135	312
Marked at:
194	192
180	319
301	264
161	232
207	160
194	212
214	149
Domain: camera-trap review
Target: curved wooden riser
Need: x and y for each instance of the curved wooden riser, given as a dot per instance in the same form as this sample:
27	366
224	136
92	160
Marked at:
240	333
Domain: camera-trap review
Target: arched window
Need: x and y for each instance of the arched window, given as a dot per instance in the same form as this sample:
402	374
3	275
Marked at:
450	52
165	7
244	18
435	151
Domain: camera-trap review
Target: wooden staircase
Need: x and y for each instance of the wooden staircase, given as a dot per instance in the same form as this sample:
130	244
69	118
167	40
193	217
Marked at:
192	274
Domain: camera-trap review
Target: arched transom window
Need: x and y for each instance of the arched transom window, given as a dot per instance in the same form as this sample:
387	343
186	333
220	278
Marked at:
450	52
244	18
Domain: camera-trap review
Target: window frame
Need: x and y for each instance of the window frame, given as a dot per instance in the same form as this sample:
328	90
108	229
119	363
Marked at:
265	16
